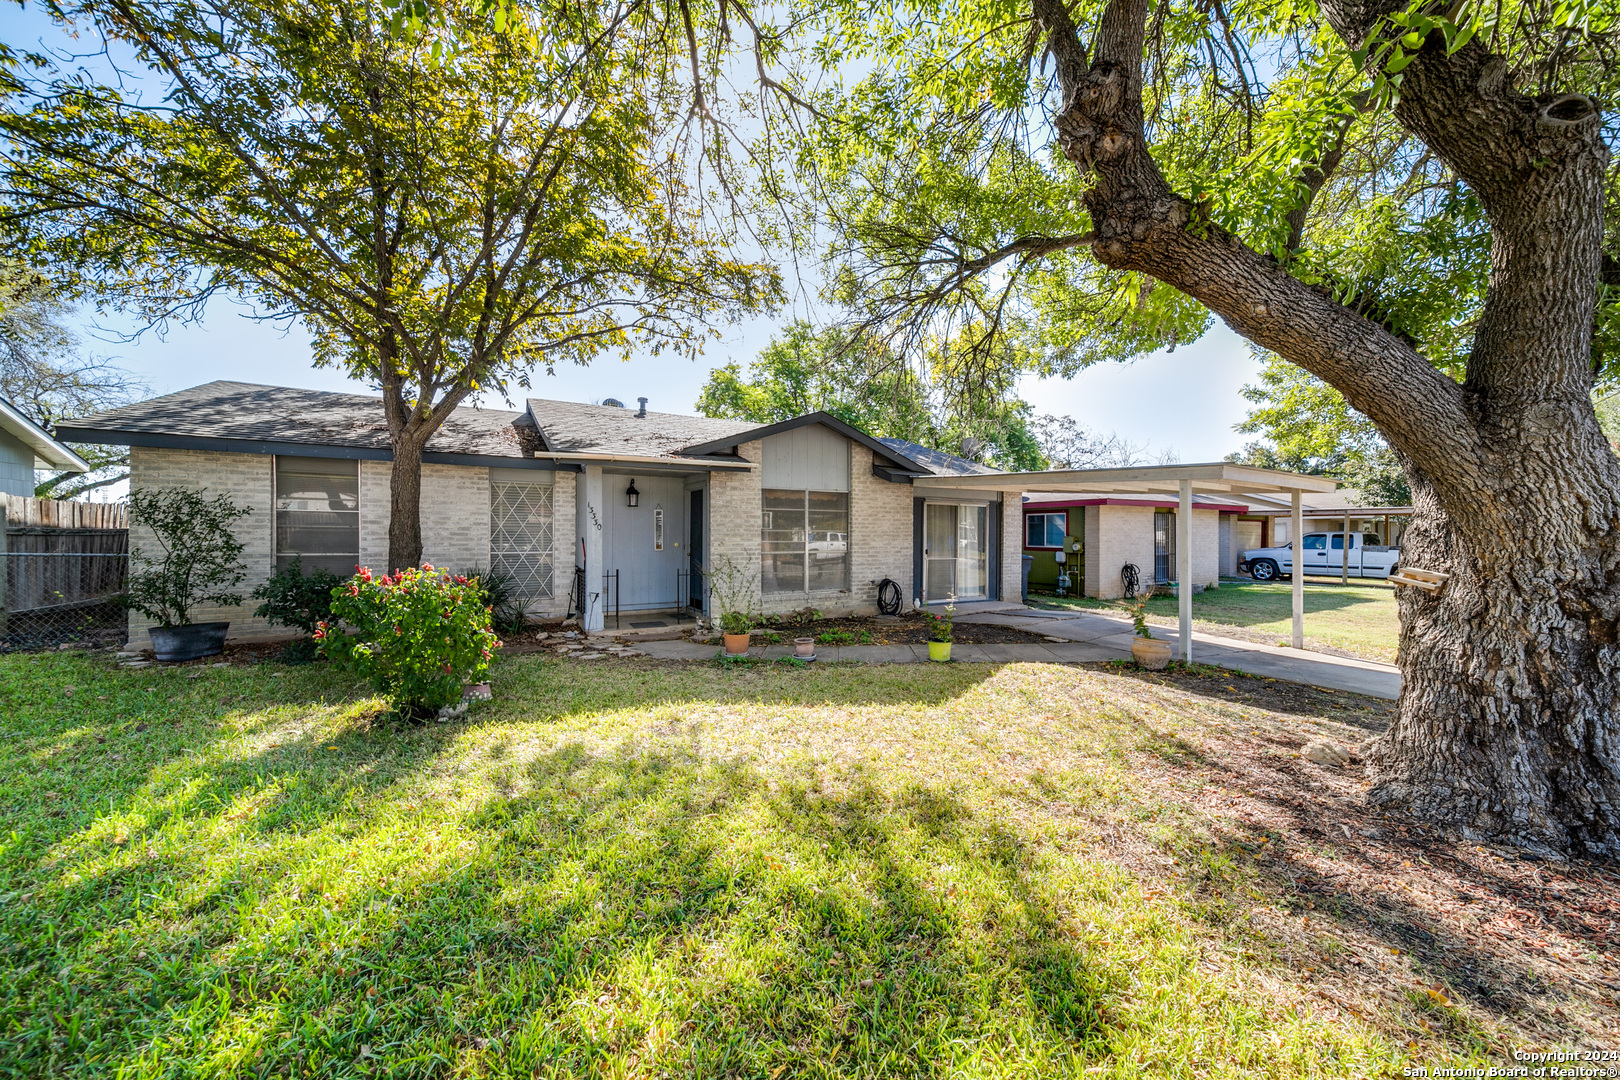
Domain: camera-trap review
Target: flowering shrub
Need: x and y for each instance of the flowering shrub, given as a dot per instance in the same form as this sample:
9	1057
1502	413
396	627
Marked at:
419	636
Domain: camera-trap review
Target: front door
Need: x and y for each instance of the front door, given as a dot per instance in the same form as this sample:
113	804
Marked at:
642	543
955	552
694	554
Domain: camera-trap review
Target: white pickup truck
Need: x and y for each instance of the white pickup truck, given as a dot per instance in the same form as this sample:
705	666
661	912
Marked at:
1324	554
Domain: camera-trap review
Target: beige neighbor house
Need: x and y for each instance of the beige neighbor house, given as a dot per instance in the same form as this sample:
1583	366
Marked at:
595	510
1100	535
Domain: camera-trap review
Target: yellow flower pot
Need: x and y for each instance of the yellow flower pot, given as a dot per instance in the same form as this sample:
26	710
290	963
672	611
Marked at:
939	652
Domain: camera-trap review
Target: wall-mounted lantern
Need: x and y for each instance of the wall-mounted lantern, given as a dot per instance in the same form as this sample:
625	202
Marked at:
632	497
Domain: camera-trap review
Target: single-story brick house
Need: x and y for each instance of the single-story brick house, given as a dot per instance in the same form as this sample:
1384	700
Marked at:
816	512
1099	534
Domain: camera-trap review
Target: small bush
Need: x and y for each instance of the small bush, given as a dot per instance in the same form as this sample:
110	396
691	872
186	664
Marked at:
419	636
296	599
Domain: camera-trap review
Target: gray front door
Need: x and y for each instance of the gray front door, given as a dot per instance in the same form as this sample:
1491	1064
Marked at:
643	543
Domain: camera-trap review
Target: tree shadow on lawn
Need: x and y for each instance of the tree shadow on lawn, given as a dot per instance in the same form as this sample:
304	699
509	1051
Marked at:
1384	907
688	915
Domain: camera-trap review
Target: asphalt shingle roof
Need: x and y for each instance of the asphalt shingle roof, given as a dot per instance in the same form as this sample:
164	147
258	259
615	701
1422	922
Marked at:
937	462
234	410
572	427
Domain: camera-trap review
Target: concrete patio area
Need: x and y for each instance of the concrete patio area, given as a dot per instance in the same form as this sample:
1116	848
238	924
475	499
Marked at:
1087	638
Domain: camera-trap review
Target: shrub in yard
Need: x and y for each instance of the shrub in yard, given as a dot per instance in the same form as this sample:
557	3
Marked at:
499	592
941	624
419	635
200	558
299	600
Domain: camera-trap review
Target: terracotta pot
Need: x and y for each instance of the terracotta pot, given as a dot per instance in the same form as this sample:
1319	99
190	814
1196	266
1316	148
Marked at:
736	644
939	652
804	648
1151	654
188	642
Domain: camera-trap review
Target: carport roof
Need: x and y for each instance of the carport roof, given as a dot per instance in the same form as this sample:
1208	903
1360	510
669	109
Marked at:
1212	478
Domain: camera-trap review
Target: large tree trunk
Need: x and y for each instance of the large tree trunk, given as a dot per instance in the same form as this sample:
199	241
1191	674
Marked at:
405	506
1508	722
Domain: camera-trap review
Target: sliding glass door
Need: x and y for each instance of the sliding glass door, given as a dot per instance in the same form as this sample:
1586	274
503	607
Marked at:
955	552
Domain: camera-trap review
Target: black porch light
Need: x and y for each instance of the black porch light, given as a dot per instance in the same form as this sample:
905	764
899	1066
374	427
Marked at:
632	497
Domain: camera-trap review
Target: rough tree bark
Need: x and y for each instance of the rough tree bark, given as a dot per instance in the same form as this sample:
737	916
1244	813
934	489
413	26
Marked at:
1508	722
409	429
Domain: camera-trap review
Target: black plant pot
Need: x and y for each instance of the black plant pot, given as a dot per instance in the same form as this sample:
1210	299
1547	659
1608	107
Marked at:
188	642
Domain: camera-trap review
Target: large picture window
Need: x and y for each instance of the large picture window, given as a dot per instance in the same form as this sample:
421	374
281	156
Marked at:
804	541
318	513
1045	530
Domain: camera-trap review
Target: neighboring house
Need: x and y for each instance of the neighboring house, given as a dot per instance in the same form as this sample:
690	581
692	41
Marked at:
1101	534
25	447
815	512
1268	521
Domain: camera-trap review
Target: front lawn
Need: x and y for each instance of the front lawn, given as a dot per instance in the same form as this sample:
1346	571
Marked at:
1359	619
644	869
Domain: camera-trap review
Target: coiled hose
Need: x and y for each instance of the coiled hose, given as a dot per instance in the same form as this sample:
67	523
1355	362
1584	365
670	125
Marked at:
1130	578
888	597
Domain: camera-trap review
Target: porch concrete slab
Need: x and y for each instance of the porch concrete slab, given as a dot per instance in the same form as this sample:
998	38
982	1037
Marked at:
678	650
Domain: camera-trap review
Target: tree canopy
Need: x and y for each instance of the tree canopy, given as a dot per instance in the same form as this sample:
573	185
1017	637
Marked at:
444	203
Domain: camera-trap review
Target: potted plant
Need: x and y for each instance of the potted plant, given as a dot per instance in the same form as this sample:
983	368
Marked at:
732	588
1151	654
804	648
200	563
940	632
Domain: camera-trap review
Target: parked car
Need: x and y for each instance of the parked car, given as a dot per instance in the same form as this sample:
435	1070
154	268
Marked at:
1324	554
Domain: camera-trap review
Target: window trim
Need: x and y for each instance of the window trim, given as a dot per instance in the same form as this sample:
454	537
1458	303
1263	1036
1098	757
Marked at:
276	554
1064	514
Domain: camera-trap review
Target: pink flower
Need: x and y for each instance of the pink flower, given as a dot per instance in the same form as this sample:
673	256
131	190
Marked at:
354	590
364	572
428	567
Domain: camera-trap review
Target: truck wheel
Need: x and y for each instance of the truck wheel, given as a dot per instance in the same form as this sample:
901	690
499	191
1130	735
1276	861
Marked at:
1264	570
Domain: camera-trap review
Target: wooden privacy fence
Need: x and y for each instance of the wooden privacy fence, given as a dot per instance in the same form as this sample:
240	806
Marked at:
62	570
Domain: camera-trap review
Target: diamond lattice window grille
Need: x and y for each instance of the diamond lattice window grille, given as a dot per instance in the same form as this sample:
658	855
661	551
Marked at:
520	536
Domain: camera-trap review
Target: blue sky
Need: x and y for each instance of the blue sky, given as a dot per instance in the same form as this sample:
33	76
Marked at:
1186	401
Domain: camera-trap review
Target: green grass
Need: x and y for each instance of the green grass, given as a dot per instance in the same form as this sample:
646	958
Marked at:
635	870
1359	619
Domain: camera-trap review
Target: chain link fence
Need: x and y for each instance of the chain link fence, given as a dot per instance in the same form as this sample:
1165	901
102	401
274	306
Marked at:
63	567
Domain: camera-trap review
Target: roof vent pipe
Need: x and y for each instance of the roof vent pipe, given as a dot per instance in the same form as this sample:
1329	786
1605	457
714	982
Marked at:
643	411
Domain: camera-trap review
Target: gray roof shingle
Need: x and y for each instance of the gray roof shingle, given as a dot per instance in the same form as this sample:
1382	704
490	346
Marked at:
572	427
938	462
248	411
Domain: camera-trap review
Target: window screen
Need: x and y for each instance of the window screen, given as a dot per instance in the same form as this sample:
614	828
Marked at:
1045	530
318	513
804	539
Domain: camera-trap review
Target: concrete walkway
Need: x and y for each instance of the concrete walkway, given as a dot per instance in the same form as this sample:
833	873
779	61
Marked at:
1088	638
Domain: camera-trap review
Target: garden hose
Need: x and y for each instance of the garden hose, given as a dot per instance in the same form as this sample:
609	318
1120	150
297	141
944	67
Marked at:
888	597
1129	577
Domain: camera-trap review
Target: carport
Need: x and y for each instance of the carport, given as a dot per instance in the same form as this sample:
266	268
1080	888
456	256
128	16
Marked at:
1184	481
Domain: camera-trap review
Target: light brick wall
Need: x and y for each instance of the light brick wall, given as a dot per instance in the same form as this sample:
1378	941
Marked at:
1206	547
455	515
1122	534
1012	547
248	479
879	536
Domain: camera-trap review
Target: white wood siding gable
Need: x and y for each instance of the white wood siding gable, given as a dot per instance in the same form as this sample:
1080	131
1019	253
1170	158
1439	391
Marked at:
809	458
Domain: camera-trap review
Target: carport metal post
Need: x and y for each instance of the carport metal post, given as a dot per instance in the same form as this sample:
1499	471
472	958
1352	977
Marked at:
1298	541
1344	563
1184	568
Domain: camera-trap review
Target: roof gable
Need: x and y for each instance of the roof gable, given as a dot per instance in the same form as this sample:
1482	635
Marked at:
48	453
